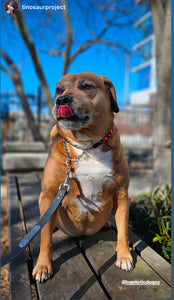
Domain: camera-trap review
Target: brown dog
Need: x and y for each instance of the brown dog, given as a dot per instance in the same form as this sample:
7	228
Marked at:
84	108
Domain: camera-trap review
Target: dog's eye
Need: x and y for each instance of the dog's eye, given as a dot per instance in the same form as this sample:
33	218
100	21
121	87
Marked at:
87	86
59	90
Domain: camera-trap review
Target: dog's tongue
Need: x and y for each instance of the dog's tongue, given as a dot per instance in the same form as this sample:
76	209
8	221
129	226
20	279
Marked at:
64	111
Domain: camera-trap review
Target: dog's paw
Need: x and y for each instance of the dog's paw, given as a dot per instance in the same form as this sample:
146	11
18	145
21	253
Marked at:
124	261
43	270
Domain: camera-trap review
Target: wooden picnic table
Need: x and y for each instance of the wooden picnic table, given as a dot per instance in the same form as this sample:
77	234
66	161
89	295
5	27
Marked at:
83	267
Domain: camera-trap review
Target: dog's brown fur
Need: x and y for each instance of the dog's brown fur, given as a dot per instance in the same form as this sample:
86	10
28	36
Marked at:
100	103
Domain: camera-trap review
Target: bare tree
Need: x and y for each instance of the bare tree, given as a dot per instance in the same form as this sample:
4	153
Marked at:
96	38
22	27
15	77
66	54
161	15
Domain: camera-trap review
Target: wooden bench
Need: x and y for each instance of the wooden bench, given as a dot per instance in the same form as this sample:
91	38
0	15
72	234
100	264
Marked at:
83	267
23	156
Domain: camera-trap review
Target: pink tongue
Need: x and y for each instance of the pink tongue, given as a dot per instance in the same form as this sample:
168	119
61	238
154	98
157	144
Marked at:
64	111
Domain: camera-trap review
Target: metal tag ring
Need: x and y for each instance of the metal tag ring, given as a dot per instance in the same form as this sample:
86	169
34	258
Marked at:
71	159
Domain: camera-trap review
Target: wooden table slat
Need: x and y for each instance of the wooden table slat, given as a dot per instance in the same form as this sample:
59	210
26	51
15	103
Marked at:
151	257
100	251
19	277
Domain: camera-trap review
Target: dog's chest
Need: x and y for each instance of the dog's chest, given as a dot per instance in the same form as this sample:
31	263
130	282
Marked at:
92	172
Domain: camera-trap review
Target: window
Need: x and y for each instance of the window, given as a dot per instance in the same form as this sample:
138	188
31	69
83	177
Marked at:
143	75
144	53
146	28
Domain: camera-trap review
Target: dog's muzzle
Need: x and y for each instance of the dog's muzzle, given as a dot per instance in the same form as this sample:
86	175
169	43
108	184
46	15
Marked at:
64	110
67	115
63	100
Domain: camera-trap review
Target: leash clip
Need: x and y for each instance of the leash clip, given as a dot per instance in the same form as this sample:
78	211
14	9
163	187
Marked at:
70	160
65	187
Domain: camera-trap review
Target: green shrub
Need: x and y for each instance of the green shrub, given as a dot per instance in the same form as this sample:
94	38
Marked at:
150	215
162	208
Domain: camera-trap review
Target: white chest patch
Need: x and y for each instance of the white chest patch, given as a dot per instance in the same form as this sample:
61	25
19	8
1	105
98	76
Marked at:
93	171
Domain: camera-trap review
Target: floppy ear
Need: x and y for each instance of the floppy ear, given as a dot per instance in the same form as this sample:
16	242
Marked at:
111	90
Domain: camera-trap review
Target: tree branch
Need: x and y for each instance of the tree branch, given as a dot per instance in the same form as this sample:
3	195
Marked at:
9	62
105	29
115	44
87	44
18	85
21	25
90	43
86	19
69	38
6	72
56	51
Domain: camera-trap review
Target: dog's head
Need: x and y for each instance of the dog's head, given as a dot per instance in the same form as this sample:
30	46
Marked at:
84	100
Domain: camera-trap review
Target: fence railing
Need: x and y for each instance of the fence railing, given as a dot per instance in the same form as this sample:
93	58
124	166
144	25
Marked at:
135	125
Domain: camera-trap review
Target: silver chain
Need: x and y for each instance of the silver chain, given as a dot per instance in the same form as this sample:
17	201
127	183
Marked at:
76	160
77	146
65	185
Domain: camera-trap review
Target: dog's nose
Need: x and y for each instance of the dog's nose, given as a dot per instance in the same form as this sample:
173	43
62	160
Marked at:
66	99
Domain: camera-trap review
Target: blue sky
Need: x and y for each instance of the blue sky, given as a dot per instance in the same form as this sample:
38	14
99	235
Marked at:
97	59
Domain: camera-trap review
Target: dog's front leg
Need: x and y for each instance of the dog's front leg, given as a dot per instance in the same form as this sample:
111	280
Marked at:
121	210
43	269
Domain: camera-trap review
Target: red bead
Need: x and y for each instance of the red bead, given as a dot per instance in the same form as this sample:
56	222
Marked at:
111	132
104	140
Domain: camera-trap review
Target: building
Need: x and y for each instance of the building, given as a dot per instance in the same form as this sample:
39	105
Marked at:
145	68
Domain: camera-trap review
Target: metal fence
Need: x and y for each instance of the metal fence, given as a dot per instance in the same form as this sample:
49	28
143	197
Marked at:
135	124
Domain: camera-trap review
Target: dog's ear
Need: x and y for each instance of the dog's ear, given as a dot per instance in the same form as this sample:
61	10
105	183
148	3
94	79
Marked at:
111	90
